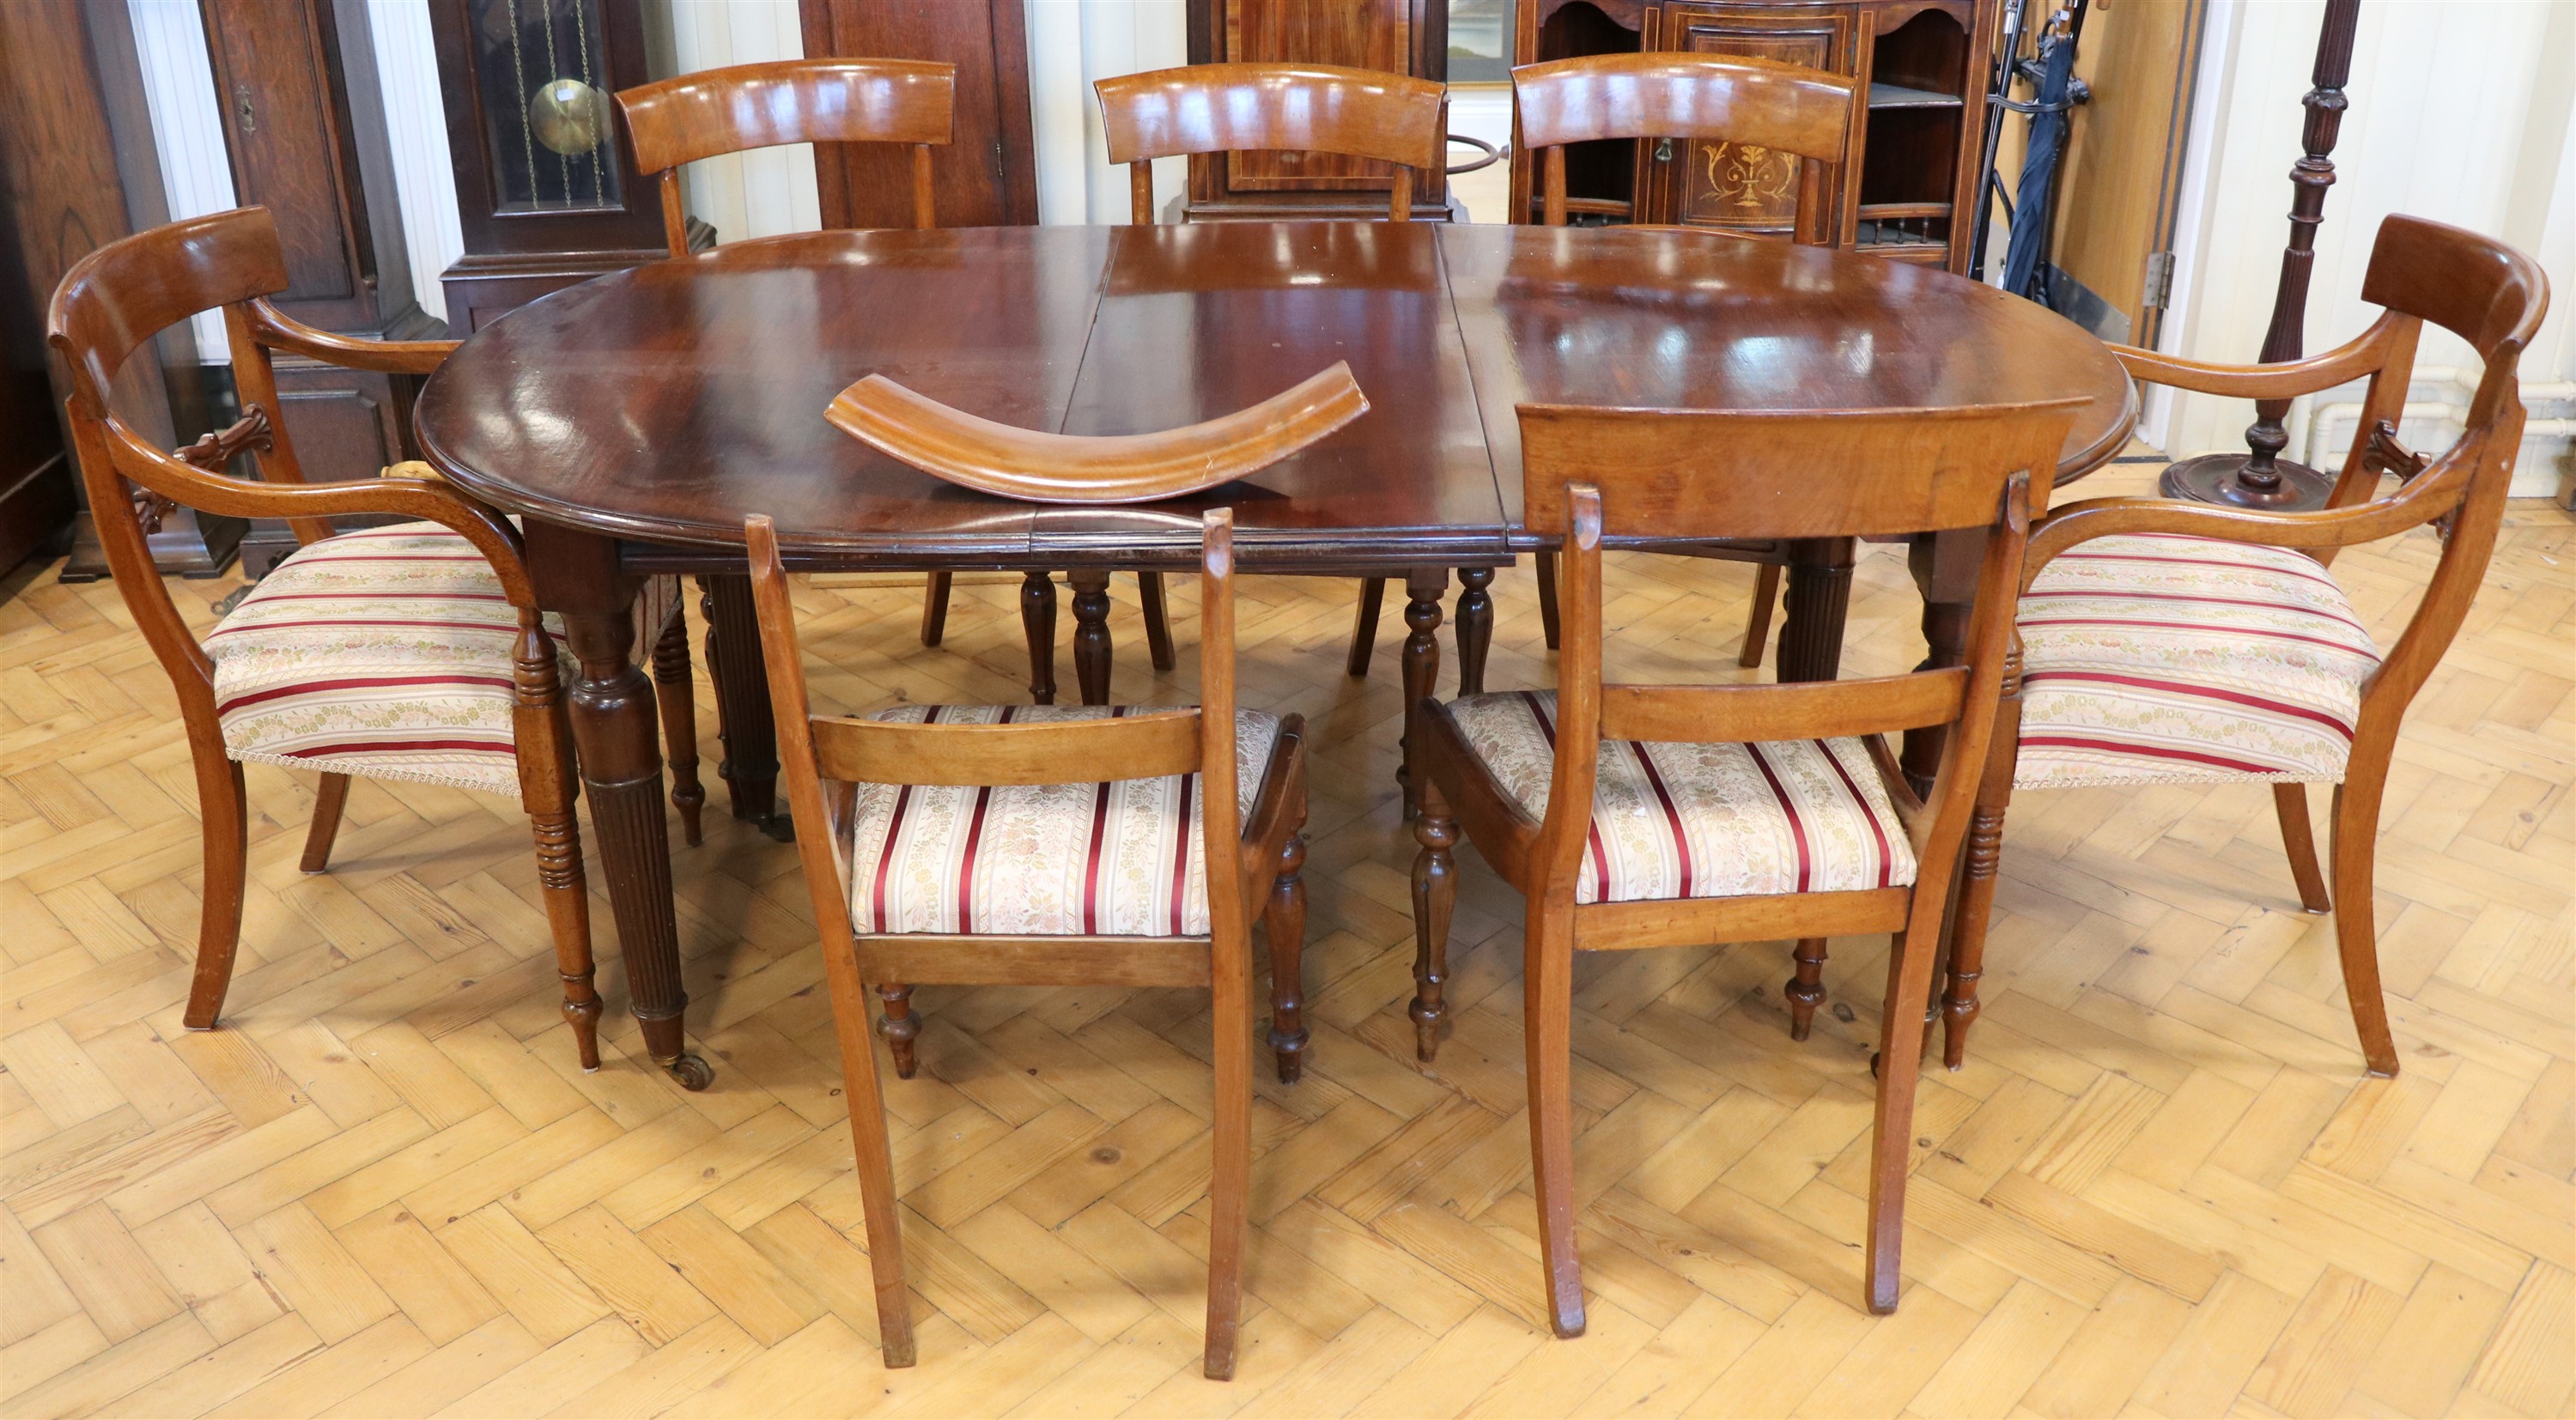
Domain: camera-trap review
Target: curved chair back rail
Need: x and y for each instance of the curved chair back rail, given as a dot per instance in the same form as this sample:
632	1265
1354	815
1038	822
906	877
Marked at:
1039	467
1252	108
1756	103
745	106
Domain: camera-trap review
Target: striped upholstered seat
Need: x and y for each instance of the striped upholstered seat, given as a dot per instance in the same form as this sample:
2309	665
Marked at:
2165	659
383	654
1703	820
1122	859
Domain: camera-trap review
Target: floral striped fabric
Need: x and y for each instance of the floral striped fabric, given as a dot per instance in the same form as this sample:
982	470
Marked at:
383	653
2162	659
1121	859
1704	820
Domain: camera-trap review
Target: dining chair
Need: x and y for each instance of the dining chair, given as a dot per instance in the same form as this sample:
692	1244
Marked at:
1633	816
957	844
1754	103
411	652
1267	108
2168	642
712	112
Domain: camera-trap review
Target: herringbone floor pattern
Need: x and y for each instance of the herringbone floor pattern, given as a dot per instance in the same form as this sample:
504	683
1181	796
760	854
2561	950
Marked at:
2162	1186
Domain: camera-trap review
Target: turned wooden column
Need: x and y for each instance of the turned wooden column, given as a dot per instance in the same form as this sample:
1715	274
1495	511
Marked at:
2261	478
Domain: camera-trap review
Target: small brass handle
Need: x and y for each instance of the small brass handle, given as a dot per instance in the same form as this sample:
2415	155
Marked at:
1663	150
242	109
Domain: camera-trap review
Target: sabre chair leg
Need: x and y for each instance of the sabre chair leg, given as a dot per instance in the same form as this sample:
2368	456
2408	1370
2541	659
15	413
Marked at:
900	1027
1158	620
1806	988
934	609
1900	1067
328	801
223	812
1364	626
1435	895
1547	970
1037	623
1757	621
1231	1171
1545	563
2299	841
2356	841
1283	919
871	1151
675	695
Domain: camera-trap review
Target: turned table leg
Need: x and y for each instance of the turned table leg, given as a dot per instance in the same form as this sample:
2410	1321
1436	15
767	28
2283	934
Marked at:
1475	627
1422	589
750	764
1091	634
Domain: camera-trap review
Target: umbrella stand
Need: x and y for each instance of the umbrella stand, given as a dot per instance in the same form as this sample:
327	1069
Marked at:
2055	93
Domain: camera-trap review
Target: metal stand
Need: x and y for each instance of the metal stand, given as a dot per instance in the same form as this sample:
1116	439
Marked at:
2261	478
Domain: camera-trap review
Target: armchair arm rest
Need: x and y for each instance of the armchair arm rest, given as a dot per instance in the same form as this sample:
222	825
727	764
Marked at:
280	331
2418	502
436	502
2363	355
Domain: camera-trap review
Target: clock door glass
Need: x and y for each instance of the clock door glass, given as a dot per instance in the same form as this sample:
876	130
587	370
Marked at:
545	102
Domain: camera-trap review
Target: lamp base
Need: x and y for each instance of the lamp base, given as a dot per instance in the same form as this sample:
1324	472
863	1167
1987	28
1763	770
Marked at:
2211	478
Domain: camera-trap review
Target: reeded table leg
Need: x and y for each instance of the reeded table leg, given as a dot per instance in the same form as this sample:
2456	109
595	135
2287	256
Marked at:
621	775
1945	570
1422	589
1811	635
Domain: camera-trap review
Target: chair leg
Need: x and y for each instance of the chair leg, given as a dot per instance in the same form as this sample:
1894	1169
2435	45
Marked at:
1364	626
934	609
2356	843
2299	840
327	804
1283	920
676	697
865	1095
1900	1066
1037	623
1435	893
223	814
1230	1178
1547	972
1545	562
1158	620
1757	622
900	1027
1969	919
542	730
1806	988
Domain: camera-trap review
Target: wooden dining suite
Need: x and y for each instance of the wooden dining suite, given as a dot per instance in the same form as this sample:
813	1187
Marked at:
635	421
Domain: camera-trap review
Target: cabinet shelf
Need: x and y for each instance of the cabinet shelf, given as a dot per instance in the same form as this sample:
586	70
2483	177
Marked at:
1883	96
1891	211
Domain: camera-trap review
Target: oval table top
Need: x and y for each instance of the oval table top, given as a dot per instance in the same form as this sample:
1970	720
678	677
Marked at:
664	403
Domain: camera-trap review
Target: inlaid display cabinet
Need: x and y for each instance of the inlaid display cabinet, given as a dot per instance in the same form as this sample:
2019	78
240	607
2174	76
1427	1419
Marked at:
1916	163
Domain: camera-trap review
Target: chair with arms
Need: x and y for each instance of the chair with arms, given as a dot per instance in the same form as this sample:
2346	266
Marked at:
2179	643
945	843
1647	816
1311	108
410	652
1758	103
713	112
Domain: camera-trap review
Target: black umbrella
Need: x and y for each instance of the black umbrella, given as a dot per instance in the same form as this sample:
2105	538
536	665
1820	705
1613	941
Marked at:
2034	202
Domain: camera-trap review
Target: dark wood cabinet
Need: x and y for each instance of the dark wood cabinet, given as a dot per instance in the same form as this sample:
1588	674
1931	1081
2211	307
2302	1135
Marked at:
1916	159
304	129
546	190
78	170
1398	36
987	175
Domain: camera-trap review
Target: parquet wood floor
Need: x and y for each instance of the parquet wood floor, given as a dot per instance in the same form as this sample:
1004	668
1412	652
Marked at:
2162	1186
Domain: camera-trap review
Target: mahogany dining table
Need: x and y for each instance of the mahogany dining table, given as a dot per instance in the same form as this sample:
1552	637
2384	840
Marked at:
633	421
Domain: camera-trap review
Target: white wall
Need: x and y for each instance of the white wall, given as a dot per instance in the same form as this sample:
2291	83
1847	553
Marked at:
2460	111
